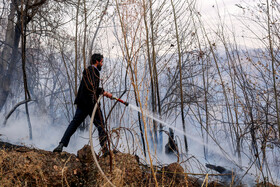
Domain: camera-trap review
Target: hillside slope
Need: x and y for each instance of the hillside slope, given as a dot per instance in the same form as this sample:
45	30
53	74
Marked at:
23	166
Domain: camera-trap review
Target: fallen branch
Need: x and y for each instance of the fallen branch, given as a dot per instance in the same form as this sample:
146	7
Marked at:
13	109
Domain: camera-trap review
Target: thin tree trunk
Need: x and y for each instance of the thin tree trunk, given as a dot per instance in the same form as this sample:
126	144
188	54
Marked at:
103	13
76	49
68	76
23	58
235	101
205	89
153	96
181	82
273	67
85	35
155	75
135	94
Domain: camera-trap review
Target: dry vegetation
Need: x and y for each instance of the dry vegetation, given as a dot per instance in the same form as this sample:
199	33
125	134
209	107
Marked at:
23	166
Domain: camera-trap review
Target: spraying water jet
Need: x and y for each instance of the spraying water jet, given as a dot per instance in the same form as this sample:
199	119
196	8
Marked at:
171	147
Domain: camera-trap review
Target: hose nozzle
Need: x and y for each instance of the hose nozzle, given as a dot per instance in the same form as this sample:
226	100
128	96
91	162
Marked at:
123	102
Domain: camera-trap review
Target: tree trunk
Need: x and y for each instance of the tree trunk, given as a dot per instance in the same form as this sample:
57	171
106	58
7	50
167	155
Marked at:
181	82
9	55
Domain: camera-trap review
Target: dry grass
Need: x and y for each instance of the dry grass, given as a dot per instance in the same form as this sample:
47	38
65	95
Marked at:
30	167
21	166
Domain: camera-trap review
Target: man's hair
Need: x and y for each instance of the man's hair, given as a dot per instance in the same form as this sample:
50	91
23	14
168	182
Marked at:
95	57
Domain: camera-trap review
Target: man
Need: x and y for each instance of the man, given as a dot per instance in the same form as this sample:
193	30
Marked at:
88	93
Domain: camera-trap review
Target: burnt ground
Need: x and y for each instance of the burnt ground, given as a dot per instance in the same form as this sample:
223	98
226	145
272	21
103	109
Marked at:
23	166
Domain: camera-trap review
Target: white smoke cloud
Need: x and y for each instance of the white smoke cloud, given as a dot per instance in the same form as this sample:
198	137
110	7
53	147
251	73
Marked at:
46	136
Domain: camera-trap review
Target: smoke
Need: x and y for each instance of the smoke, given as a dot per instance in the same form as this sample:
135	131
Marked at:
46	135
220	153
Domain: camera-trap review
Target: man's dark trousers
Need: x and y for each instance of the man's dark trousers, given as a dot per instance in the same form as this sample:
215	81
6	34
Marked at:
79	117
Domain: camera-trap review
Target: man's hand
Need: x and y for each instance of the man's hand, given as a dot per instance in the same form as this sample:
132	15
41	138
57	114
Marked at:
107	94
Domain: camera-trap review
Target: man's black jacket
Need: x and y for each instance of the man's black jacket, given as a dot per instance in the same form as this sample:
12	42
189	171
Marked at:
89	89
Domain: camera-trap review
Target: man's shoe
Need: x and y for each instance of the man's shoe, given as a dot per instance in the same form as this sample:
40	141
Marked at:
59	148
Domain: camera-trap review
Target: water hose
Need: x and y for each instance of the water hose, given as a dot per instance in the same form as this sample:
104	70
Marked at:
90	135
91	143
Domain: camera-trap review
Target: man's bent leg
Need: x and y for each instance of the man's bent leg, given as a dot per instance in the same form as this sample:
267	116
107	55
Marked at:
71	129
102	133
